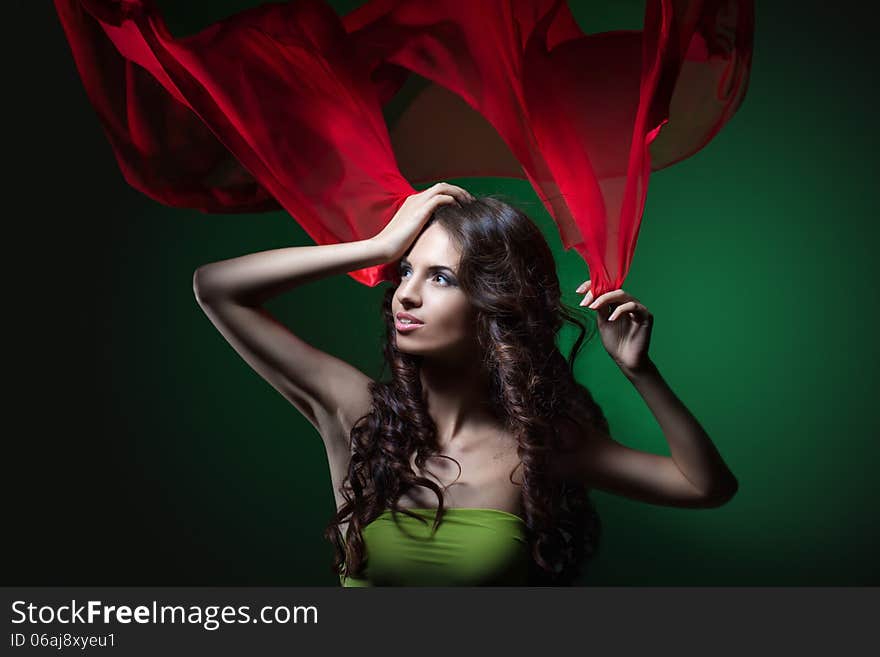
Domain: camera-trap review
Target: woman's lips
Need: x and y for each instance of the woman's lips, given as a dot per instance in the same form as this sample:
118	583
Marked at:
406	328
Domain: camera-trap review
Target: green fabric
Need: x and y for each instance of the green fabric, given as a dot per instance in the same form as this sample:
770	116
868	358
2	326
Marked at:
471	547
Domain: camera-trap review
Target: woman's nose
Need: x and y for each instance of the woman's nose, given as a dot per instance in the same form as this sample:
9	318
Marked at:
408	292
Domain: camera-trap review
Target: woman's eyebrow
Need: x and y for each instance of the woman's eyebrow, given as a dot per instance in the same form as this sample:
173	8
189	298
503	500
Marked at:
404	261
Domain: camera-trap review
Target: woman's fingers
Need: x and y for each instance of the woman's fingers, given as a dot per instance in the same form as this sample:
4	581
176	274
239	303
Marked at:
625	302
459	193
440	199
639	310
613	295
629	306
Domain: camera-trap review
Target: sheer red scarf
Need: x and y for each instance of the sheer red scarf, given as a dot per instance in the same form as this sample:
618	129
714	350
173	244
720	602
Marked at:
280	106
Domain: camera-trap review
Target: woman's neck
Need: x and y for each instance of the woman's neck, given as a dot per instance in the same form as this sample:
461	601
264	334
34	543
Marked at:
457	397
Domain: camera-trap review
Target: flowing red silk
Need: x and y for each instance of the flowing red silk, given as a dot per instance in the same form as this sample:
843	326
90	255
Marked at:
281	107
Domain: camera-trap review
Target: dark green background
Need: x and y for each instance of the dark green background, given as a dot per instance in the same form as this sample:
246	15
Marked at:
145	451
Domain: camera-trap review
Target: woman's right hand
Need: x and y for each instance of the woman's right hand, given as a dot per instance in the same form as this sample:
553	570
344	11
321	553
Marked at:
407	223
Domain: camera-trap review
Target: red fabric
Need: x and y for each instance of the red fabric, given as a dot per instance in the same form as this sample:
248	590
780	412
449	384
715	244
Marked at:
281	106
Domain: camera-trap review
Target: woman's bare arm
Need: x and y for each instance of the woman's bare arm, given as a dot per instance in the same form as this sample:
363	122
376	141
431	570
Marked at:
329	392
254	278
694	476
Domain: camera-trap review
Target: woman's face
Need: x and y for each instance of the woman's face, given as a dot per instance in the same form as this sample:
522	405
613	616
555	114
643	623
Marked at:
429	291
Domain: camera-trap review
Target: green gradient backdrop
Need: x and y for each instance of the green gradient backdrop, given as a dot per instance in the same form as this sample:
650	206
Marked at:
754	256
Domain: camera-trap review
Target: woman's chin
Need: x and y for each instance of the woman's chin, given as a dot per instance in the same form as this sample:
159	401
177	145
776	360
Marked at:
407	345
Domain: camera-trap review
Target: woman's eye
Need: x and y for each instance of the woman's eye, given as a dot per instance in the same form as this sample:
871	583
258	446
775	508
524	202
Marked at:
405	270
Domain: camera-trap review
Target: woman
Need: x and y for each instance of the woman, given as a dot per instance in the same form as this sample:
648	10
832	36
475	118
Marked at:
482	427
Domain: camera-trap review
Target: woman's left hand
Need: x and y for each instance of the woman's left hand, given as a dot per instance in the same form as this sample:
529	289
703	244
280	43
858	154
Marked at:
624	324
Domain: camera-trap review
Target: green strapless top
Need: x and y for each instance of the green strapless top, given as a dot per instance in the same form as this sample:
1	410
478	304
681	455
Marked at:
471	547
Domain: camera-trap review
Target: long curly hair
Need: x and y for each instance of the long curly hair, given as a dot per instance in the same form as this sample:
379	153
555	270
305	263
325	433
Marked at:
508	273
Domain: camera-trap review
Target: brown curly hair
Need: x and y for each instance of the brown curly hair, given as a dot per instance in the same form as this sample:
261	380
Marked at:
508	273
